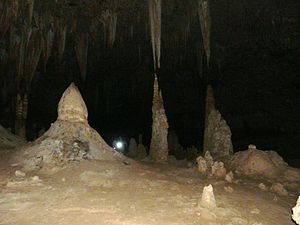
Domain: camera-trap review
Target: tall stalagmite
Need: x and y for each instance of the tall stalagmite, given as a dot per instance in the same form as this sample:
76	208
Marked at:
159	141
217	134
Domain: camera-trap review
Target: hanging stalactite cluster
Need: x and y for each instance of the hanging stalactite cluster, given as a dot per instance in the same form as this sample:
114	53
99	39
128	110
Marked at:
155	25
205	22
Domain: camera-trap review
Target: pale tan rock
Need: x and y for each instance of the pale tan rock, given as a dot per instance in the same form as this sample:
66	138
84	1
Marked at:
279	189
229	177
296	212
218	170
209	159
202	165
71	106
263	187
208	198
19	173
228	189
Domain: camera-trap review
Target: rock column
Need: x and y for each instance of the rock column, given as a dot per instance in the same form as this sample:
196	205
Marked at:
159	141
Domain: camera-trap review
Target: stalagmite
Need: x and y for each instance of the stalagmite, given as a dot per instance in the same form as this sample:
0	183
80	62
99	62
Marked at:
69	139
155	24
159	141
205	22
217	134
208	198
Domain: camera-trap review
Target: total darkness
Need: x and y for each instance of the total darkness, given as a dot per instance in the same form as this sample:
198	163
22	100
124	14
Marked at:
254	71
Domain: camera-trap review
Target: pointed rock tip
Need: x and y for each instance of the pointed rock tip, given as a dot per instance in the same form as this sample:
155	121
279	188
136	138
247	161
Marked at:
71	106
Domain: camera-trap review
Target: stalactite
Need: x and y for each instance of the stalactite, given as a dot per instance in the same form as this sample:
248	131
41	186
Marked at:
61	33
9	13
155	24
81	47
109	20
30	10
159	140
205	22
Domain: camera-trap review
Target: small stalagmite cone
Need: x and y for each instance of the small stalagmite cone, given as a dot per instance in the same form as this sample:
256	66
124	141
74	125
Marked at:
208	198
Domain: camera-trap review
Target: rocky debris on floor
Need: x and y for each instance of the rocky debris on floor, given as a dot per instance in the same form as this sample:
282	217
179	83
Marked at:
19	173
23	181
228	189
9	140
279	189
296	212
263	187
229	177
69	139
207	166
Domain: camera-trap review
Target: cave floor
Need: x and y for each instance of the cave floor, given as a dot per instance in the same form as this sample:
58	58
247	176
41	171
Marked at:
102	192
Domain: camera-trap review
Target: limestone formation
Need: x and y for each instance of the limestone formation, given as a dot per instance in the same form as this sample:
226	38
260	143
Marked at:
69	139
279	189
141	152
71	106
217	134
258	163
229	177
208	198
218	170
132	149
202	165
296	212
159	141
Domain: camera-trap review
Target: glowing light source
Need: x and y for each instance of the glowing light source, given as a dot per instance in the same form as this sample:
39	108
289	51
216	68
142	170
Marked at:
119	145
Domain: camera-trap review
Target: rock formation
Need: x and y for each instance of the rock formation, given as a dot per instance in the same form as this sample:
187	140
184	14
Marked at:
296	212
217	134
141	152
69	139
159	141
208	198
256	162
132	149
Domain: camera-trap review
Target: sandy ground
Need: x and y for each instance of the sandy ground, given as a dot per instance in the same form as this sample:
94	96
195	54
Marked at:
103	192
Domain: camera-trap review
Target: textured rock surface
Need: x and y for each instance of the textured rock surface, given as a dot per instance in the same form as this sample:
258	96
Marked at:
9	140
279	189
217	134
208	198
159	141
141	152
71	106
256	162
218	170
69	139
296	212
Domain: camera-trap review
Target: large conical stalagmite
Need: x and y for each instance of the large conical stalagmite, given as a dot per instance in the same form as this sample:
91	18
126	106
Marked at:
159	141
217	134
69	139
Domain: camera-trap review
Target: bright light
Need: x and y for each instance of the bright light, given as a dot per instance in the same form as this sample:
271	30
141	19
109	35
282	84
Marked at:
119	145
